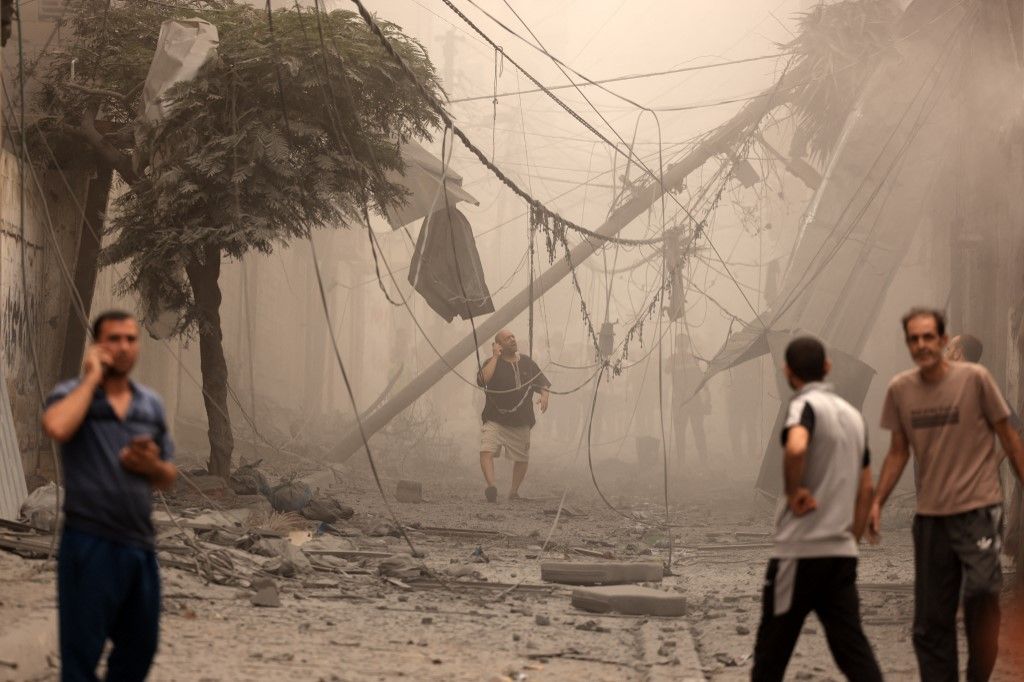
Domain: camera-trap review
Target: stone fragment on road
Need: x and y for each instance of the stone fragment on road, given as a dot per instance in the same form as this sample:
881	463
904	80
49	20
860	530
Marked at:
266	593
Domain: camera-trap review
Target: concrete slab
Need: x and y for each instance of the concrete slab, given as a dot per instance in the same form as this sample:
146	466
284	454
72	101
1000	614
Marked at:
601	572
632	600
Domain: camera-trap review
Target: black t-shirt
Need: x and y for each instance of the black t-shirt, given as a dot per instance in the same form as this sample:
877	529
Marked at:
515	407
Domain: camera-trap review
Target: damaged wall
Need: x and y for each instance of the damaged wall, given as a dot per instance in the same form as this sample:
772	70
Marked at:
40	317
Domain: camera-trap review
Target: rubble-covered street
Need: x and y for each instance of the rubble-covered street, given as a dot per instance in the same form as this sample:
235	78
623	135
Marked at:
507	340
359	608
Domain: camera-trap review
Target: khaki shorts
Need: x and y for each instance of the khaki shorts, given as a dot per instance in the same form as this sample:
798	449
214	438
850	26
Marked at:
514	440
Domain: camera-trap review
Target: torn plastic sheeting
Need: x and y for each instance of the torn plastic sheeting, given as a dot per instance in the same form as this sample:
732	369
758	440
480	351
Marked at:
446	267
422	179
181	50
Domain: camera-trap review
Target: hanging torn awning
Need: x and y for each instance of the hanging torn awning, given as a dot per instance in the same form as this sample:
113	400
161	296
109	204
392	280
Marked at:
422	179
446	269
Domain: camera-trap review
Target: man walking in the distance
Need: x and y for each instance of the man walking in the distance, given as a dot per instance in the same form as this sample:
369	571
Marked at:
828	494
949	414
688	409
510	379
115	450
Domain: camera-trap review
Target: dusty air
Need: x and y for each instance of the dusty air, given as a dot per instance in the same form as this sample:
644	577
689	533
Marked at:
510	340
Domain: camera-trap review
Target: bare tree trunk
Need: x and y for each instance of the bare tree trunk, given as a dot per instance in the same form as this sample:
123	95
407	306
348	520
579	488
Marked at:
203	277
85	268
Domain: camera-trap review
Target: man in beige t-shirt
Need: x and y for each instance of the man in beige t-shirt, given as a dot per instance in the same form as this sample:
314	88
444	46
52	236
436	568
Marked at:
949	414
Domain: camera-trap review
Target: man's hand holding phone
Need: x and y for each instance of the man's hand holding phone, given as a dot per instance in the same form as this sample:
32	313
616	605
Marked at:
97	361
142	456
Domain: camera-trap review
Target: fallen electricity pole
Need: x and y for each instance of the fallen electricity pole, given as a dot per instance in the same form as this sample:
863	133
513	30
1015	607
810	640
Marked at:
722	140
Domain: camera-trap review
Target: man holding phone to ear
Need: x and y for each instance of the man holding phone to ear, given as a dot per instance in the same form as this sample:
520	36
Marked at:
510	379
115	450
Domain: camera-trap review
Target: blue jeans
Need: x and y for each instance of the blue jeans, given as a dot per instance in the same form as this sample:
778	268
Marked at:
106	590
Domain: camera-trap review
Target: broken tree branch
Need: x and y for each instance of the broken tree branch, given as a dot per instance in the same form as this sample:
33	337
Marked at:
98	92
116	159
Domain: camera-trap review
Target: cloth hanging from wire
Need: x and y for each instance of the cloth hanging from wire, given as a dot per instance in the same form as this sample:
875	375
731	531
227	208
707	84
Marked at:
445	251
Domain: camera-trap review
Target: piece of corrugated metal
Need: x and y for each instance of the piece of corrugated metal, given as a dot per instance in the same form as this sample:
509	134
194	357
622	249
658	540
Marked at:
13	490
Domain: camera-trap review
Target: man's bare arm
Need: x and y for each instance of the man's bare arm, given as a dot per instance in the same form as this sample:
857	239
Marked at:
797	439
861	510
1012	445
892	469
487	371
62	419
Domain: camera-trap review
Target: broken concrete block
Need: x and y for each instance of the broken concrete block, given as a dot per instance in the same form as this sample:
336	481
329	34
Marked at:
409	491
632	600
266	593
401	566
289	562
601	573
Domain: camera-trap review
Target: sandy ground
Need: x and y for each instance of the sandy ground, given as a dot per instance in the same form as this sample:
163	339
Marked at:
363	628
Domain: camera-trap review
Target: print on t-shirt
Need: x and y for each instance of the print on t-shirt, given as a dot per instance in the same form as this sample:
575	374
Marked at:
932	417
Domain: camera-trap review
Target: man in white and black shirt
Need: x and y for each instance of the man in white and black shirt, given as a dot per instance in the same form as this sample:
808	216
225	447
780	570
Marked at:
828	496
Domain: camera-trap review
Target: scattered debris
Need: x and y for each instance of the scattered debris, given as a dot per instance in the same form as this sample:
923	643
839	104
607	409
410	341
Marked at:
457	572
249	480
457	532
382	529
290	496
567	512
289	562
401	566
726	660
326	510
348	553
726	546
39	509
607	554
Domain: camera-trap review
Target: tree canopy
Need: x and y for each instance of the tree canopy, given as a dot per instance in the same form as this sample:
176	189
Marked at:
283	132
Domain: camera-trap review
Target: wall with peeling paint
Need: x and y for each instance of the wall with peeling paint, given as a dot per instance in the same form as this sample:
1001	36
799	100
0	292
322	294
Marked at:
44	237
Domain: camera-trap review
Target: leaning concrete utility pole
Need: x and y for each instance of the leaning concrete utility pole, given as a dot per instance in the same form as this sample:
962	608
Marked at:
720	141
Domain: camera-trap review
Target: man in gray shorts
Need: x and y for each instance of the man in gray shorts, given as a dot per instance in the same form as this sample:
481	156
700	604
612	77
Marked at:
828	493
510	379
949	413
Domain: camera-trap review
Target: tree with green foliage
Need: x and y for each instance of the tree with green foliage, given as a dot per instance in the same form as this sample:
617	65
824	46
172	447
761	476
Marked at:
286	130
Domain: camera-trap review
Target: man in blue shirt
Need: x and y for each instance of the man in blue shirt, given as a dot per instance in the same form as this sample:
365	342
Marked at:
115	450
